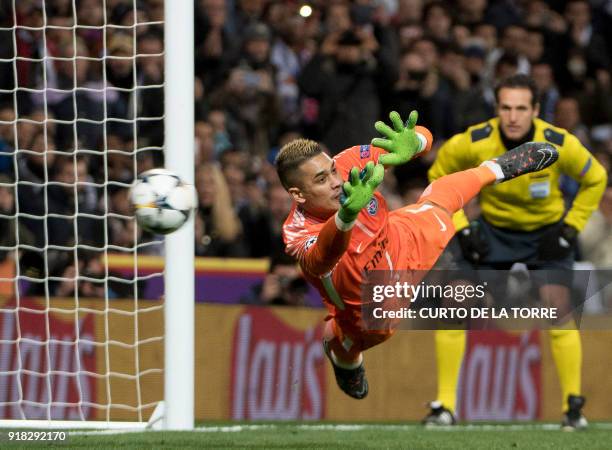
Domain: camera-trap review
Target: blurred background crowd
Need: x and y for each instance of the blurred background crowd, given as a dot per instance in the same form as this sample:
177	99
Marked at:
267	71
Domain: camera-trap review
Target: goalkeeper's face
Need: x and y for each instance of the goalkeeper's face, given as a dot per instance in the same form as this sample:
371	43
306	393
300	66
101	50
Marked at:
318	186
516	112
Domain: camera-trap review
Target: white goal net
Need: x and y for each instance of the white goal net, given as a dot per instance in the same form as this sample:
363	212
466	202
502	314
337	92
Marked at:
81	113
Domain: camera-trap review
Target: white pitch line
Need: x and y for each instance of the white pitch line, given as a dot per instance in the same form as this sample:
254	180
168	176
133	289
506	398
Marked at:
357	427
388	427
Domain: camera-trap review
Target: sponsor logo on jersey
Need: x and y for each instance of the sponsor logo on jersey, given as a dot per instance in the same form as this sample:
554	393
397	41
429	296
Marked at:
364	151
310	242
373	206
381	246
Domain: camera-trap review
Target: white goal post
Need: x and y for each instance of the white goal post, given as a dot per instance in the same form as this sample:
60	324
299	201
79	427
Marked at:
179	278
81	339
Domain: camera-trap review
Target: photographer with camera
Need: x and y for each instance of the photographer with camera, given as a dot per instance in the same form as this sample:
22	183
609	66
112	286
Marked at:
345	76
283	285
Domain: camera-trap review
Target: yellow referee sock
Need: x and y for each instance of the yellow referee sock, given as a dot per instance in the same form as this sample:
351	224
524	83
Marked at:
450	347
567	352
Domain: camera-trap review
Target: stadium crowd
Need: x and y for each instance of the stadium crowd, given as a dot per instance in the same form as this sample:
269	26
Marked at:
267	71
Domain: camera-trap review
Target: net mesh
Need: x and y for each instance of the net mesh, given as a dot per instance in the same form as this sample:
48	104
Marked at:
81	113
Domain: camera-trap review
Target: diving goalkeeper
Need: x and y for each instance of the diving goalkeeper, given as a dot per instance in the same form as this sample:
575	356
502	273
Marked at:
336	228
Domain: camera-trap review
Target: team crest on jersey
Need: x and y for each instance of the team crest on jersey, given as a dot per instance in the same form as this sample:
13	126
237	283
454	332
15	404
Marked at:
310	242
364	151
373	206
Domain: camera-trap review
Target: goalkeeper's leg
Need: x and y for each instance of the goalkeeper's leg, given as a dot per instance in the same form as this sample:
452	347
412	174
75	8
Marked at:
345	352
452	192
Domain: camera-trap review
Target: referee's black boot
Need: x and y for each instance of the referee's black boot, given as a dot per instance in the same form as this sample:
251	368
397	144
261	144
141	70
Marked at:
526	158
439	416
573	418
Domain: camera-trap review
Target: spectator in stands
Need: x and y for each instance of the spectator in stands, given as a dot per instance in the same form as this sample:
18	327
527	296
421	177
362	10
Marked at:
247	12
471	12
414	88
119	65
408	34
262	218
72	196
200	102
7	138
9	229
204	142
487	35
156	10
470	105
121	227
236	177
438	22
224	131
290	50
86	103
218	230
454	81
34	168
542	74
217	48
512	44
119	162
539	15
337	18
596	100
91	280
408	11
429	51
534	48
151	100
344	77
596	240
249	95
584	36
90	13
567	115
137	15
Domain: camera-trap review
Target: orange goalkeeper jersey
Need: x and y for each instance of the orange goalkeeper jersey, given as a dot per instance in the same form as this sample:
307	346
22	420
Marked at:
337	263
341	286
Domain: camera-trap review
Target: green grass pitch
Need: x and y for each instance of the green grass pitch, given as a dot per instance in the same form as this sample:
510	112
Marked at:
332	436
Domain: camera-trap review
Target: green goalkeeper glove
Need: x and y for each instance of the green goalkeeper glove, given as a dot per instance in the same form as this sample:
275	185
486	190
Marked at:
359	190
402	142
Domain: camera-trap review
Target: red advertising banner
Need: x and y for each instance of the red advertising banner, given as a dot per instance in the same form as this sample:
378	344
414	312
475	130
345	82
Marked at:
500	378
48	343
278	371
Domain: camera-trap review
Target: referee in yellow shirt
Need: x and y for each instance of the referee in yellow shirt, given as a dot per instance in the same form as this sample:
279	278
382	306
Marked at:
524	220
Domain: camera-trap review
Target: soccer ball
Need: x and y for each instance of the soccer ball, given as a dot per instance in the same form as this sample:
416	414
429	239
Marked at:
162	201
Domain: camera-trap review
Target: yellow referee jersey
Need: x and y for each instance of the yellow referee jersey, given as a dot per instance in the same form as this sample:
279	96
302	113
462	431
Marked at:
533	200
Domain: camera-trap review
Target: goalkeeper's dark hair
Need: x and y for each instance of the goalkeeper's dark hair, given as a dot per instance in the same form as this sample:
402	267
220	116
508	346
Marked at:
291	156
519	81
